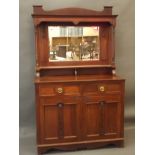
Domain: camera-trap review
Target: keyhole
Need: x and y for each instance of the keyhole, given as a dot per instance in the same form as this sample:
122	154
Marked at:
60	105
102	103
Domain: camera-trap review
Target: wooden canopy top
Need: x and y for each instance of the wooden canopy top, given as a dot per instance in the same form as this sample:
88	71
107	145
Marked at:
74	15
39	11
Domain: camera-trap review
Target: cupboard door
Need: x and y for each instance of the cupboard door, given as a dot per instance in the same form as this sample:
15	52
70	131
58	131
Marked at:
59	120
102	118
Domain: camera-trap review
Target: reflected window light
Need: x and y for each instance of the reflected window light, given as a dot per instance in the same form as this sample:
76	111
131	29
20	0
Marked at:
73	43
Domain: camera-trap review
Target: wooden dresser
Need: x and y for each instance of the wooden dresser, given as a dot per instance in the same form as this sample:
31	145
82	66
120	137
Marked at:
79	97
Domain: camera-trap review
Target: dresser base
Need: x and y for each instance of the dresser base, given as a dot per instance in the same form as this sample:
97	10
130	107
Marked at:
119	142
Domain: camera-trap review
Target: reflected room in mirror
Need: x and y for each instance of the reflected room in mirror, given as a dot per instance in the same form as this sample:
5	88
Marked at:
73	43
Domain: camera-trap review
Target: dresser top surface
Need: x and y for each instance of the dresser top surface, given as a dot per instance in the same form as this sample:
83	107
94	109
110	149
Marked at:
78	78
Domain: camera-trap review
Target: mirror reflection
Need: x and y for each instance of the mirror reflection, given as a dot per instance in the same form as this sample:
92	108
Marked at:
73	43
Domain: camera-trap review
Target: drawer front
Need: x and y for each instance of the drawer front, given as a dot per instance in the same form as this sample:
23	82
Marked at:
58	100
101	88
58	89
108	98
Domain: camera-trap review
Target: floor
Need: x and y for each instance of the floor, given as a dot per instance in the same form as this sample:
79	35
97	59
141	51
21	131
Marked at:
28	145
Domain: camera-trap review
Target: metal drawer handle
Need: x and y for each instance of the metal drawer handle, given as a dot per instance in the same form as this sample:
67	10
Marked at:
101	88
60	90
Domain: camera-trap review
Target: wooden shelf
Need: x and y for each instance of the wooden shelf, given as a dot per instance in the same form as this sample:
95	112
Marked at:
78	78
79	66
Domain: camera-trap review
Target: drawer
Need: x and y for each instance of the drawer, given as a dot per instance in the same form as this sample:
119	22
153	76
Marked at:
55	101
58	89
101	88
107	98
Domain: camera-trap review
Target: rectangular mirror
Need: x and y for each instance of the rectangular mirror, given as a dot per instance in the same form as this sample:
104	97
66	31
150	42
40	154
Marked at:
73	43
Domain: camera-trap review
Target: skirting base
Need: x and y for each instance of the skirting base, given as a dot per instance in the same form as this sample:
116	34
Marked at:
79	145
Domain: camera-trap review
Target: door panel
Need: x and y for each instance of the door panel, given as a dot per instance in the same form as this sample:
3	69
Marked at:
91	111
101	118
110	118
60	121
50	125
70	120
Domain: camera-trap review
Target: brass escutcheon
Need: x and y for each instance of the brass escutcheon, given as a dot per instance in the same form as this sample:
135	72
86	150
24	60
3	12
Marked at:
59	90
101	88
